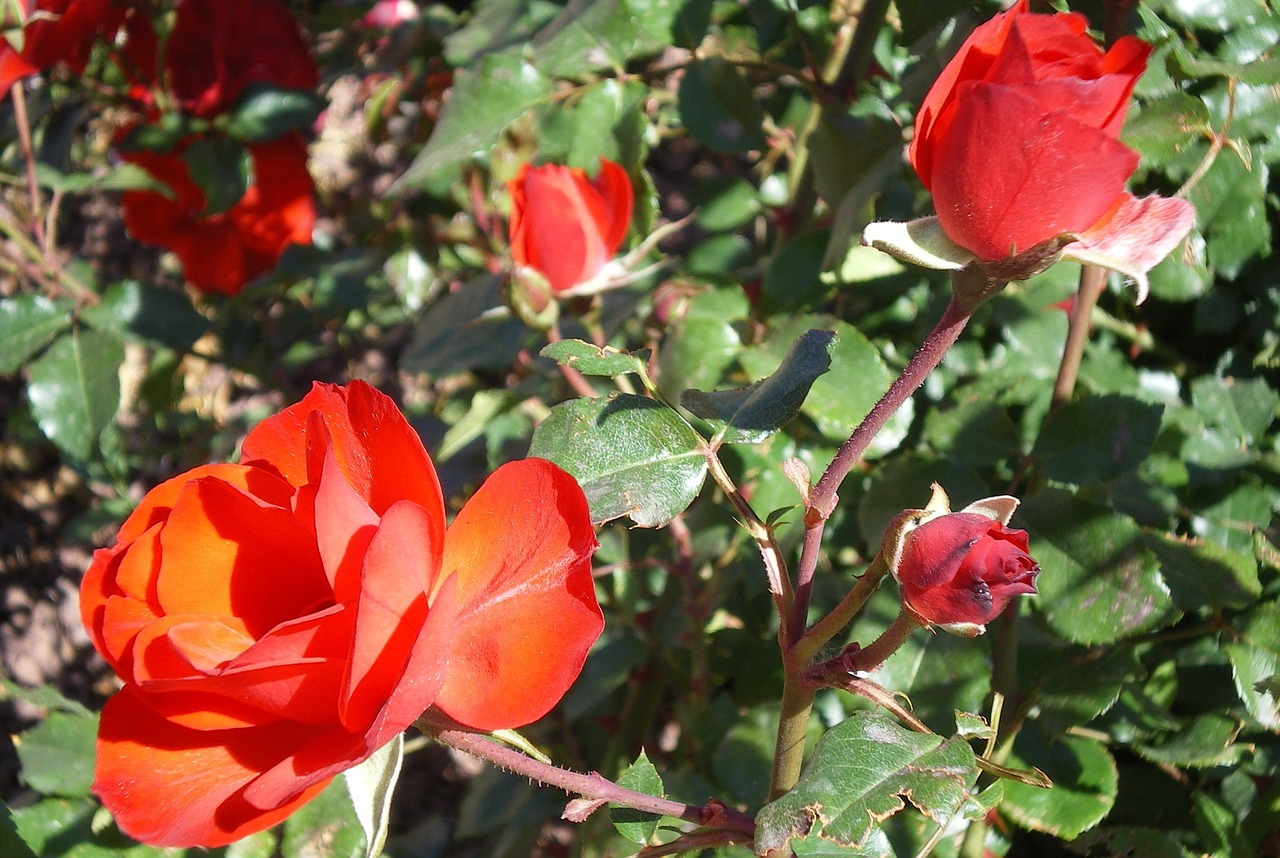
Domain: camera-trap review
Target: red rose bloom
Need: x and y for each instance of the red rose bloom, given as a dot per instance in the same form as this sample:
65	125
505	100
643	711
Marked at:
218	47
960	570
565	225
57	31
277	621
1017	138
224	251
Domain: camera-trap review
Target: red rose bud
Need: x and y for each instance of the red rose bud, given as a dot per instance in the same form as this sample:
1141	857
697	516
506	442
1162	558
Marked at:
959	570
1017	141
567	226
277	621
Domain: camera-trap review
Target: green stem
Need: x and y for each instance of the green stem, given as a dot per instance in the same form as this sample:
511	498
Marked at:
793	727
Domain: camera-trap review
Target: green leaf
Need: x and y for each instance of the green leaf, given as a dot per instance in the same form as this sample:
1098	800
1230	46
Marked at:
589	359
484	100
1098	582
267	112
631	455
1129	841
221	168
1209	740
485	406
977	432
325	826
1097	438
122	177
751	414
1204	574
27	324
682	23
586	35
57	754
1084	777
466	329
719	108
1162	129
10	842
134	309
636	826
858	776
75	389
1231	210
370	786
42	697
53	821
793	279
1255	659
1243	407
840	398
703	344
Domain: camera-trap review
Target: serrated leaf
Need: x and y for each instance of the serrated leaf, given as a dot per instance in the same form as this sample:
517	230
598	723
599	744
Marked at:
1160	130
635	825
1243	407
75	389
370	786
590	359
1085	781
1129	841
751	414
11	844
631	455
483	102
27	324
57	754
268	112
1255	659
859	775
1098	582
586	35
1209	740
1097	438
1204	574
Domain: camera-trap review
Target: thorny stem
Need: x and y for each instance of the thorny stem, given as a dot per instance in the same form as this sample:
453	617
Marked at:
823	499
876	653
793	727
593	786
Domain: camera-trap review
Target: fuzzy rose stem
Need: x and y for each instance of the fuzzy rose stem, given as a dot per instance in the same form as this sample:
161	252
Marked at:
592	786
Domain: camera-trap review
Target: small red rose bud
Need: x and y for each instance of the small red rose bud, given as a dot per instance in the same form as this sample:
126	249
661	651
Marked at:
959	570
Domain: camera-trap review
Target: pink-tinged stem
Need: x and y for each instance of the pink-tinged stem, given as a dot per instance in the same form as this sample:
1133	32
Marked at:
595	787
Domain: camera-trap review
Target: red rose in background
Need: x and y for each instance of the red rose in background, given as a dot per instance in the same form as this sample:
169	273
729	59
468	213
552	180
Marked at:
218	47
959	570
222	252
277	621
57	31
565	225
1017	138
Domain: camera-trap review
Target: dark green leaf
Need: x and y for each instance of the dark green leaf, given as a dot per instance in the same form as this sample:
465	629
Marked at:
41	696
10	842
1098	582
753	413
1255	659
1204	574
267	112
1161	130
1209	740
483	102
1231	211
858	777
1243	407
134	309
792	281
221	169
123	177
631	455
634	825
1096	439
586	35
978	432
74	390
593	360
1084	778
703	344
27	324
1128	841
466	329
57	754
682	23
718	106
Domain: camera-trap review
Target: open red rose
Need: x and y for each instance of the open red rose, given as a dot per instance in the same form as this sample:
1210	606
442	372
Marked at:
1017	139
219	47
277	621
959	570
222	252
565	225
57	31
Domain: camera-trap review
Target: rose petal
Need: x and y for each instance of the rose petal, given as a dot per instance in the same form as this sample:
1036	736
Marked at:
614	187
520	550
560	227
170	786
226	554
1134	236
344	523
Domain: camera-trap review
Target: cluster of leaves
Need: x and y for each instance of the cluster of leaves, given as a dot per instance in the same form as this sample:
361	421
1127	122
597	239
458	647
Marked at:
1143	681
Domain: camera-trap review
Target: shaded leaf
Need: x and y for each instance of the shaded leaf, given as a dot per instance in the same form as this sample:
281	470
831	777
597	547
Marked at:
1097	438
57	754
751	414
718	106
465	329
1204	574
1084	777
325	827
268	112
135	309
631	455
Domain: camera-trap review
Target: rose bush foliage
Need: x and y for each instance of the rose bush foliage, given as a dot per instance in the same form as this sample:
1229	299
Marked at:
277	621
